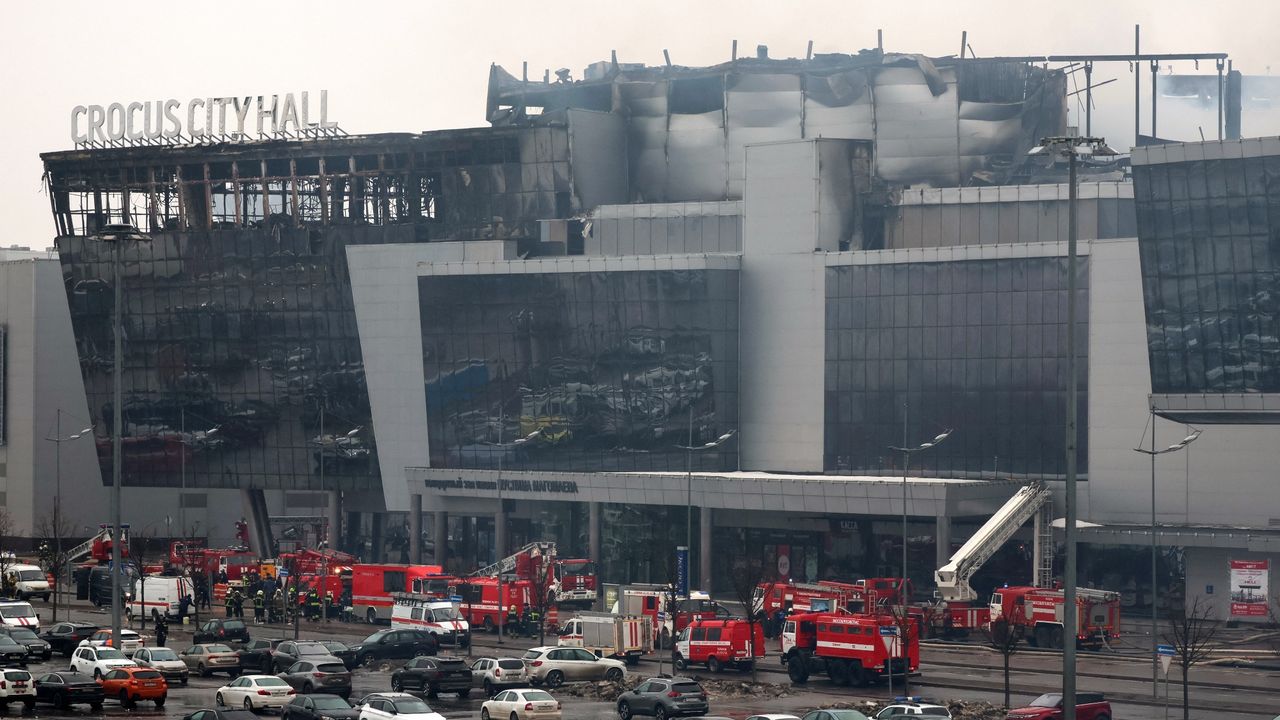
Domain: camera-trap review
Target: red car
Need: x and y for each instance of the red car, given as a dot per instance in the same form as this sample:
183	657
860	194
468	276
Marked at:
1089	706
132	684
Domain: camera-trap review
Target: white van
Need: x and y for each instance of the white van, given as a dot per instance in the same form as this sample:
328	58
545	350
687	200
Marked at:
30	581
19	614
163	593
438	617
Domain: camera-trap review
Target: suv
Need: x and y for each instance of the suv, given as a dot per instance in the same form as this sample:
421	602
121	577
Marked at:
913	707
221	630
65	637
433	675
256	655
663	698
17	686
556	665
393	644
495	674
1089	706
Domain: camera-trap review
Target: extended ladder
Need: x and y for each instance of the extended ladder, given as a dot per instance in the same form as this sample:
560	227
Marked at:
507	564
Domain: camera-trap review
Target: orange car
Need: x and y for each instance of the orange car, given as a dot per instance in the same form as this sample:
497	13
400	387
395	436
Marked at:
132	684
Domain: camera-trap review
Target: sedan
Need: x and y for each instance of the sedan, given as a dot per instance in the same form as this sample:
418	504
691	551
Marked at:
37	649
324	674
773	716
98	661
318	707
396	706
12	653
255	691
835	715
555	665
291	651
62	689
522	705
212	658
164	660
219	714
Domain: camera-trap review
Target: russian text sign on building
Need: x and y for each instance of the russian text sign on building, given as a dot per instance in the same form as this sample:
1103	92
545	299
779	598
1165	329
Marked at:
289	116
1249	584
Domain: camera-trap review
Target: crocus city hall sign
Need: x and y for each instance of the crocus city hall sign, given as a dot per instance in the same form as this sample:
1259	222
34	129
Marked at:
214	119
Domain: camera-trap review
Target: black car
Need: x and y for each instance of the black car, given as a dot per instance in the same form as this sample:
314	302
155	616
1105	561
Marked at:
663	698
12	653
318	706
100	583
220	714
221	630
255	656
393	644
65	637
37	649
63	689
291	651
342	651
433	675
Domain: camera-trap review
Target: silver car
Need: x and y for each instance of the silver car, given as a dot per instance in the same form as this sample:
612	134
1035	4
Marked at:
558	665
496	674
164	660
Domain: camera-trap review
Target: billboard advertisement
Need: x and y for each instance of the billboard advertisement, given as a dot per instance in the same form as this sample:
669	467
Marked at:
1249	584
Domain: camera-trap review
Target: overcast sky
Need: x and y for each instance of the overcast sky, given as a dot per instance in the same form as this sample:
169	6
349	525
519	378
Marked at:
414	66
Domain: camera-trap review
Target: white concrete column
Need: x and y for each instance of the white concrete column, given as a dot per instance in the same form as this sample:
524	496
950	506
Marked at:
415	528
704	549
499	535
943	535
593	533
440	536
334	515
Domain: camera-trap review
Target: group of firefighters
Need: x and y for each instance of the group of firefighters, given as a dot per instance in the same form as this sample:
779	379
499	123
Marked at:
524	622
272	603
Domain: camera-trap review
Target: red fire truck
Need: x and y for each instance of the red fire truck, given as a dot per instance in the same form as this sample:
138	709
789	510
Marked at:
569	580
719	644
373	585
234	561
848	648
479	600
654	601
1037	614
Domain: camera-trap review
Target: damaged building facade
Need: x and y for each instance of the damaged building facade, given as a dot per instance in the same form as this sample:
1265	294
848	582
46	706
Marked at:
812	257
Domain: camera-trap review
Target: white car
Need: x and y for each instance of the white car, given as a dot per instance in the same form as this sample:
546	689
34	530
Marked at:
773	716
523	704
396	706
252	692
98	661
915	707
17	686
130	641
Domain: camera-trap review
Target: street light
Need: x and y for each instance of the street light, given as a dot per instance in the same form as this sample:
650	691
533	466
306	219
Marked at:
688	483
1153	452
1073	148
116	235
500	521
907	452
58	439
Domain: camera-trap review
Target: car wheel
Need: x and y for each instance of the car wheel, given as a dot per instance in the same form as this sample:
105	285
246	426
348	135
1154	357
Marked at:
97	675
62	701
184	682
397	685
484	713
624	710
96	706
308	689
488	688
125	702
431	693
514	716
4	703
555	679
363	660
464	694
248	705
29	704
659	713
680	663
613	675
233	674
371	616
160	700
204	671
713	664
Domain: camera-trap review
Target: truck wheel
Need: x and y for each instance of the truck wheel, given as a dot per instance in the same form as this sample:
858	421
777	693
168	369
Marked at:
798	670
489	627
713	664
1058	638
371	615
679	661
1040	636
838	671
858	675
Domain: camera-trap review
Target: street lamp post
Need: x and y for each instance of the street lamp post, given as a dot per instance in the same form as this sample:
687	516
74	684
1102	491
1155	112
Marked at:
57	440
1073	147
688	481
117	234
502	517
1153	452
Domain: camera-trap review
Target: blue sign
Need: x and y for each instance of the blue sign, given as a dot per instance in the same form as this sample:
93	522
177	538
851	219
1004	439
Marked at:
1165	650
282	573
682	571
888	631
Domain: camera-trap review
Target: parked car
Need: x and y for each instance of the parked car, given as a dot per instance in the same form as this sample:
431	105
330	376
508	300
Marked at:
913	707
394	644
663	698
64	689
289	652
342	651
255	656
19	613
555	665
129	643
1089	706
221	630
132	684
773	716
209	658
12	654
252	692
834	715
396	706
37	649
29	581
98	661
433	675
17	686
165	661
320	706
524	704
319	674
219	714
496	674
65	637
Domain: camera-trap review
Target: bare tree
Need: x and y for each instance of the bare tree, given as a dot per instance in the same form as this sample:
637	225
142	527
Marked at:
746	575
1006	639
54	532
1191	632
7	555
908	625
540	593
141	545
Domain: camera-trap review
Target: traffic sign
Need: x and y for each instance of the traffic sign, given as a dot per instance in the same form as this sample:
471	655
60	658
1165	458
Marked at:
1165	650
1166	653
889	636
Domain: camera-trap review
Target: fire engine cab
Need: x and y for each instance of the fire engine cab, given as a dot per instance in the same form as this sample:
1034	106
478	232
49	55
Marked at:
848	648
718	644
1037	614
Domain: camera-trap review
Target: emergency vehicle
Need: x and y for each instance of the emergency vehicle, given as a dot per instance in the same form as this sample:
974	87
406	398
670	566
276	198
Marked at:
719	644
654	602
236	562
848	648
438	617
573	580
1037	614
568	580
607	635
373	587
805	597
478	600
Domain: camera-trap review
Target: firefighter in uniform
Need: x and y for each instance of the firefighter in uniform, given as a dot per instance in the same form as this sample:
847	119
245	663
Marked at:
258	607
313	605
513	620
230	601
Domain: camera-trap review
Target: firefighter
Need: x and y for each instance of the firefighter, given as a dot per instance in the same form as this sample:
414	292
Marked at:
328	604
513	619
277	607
533	622
162	629
230	601
313	605
238	603
259	606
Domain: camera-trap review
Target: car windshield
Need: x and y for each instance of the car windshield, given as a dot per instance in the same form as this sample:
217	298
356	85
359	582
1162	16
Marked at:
330	702
510	664
537	695
22	634
270	682
578	567
217	649
110	654
30	575
411	705
1049	700
232	625
17	611
163	654
442	614
335	646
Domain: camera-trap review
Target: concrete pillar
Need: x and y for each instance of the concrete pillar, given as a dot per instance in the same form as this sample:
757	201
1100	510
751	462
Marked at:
499	537
375	535
333	512
415	529
440	536
593	533
943	533
704	549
